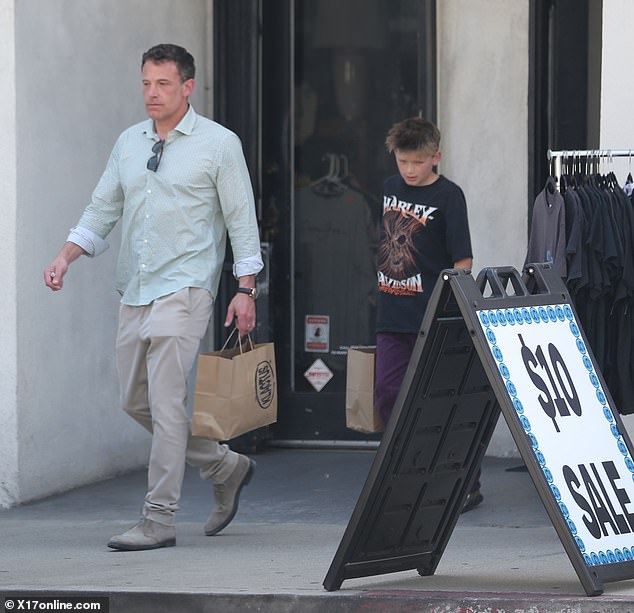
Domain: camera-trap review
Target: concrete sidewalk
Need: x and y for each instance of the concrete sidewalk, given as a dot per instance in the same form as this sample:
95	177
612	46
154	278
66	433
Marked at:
504	555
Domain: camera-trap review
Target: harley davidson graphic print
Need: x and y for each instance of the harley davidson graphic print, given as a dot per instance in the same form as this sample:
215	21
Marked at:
424	230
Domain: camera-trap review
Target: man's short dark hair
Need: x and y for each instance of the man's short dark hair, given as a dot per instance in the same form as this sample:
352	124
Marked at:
172	53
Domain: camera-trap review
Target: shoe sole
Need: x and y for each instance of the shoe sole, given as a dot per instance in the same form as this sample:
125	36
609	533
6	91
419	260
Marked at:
472	503
123	547
236	502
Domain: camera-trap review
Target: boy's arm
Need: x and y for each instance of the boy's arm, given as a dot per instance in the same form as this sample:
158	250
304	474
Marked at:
464	263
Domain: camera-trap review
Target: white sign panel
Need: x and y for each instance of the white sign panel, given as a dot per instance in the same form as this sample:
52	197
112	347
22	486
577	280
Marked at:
317	333
559	400
318	374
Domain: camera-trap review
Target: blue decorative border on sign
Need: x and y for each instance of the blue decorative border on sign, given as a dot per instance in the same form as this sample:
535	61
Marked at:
526	316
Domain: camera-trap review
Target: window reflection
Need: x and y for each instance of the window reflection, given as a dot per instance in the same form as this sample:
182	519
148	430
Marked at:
356	65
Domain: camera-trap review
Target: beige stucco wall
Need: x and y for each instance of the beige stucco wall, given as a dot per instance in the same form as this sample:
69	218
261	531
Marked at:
8	304
483	118
76	87
617	97
617	87
69	73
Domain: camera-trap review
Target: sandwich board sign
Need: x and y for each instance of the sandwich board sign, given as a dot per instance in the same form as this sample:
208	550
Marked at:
502	343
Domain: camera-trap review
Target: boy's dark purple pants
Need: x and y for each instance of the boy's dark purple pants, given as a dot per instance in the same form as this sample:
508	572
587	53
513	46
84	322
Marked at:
393	352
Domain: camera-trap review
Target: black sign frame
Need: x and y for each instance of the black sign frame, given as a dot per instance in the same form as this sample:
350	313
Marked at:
442	422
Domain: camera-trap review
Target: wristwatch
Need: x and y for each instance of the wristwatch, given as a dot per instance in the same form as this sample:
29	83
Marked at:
252	292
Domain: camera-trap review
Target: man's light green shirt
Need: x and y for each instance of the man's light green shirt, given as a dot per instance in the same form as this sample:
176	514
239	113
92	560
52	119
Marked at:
175	220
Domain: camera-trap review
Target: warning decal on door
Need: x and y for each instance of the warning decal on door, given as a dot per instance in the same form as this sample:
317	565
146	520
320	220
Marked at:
317	334
318	374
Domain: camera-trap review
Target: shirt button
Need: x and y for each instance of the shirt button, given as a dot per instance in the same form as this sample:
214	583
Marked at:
147	216
145	241
149	191
142	265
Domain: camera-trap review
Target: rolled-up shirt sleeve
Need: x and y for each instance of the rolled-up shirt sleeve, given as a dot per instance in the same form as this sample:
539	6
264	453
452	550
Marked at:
248	266
90	242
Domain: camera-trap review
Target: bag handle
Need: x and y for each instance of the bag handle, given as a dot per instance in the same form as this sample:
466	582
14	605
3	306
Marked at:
238	342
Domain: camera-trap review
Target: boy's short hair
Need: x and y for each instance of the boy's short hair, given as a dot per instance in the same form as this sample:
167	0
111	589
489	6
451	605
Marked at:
413	133
172	53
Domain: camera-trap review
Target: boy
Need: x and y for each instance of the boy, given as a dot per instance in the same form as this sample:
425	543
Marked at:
424	230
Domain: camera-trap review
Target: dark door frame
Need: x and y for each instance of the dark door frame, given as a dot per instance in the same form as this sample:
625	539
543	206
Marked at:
564	82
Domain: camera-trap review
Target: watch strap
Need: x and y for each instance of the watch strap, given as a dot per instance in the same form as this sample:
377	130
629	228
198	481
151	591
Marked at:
249	291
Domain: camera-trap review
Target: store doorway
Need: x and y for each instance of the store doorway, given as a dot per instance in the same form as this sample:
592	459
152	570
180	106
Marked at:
565	82
333	77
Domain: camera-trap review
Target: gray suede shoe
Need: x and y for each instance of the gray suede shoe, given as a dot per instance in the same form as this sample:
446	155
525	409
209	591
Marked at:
147	534
227	496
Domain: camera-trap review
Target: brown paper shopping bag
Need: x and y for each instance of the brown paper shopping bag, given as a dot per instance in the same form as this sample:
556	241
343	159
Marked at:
236	391
360	412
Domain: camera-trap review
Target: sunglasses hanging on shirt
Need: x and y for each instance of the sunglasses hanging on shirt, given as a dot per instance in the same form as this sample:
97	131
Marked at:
155	160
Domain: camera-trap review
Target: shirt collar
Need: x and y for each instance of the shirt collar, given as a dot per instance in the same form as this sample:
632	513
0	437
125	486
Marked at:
185	125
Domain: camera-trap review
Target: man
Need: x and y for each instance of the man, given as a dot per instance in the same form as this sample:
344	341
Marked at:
179	182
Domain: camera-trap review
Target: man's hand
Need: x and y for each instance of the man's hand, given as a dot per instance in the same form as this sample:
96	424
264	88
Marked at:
241	310
55	271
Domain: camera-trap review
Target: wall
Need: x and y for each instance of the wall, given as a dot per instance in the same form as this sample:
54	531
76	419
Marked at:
483	118
617	86
8	306
617	98
77	87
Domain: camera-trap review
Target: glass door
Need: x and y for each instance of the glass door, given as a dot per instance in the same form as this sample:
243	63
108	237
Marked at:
336	76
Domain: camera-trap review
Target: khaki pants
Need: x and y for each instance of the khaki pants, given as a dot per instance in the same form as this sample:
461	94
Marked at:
157	345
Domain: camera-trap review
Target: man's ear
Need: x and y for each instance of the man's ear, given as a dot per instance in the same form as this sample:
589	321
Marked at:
188	87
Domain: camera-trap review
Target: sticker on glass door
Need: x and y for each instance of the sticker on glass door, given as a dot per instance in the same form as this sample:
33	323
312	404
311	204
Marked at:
317	333
318	374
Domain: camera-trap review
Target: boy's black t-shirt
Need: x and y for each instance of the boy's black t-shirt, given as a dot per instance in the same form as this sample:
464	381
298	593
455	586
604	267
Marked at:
424	230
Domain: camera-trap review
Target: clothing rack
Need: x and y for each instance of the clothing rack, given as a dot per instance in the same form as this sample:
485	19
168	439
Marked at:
587	234
555	157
